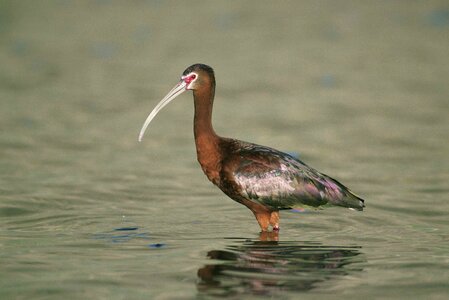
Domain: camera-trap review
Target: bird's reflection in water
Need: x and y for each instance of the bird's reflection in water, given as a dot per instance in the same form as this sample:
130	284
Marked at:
266	266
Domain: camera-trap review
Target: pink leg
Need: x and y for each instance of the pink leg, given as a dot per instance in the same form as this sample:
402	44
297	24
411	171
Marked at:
264	219
274	220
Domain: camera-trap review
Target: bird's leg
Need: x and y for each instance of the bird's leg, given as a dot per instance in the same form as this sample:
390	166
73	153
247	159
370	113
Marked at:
274	220
263	217
267	236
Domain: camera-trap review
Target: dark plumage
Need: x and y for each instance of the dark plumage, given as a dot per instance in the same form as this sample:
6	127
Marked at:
261	178
279	181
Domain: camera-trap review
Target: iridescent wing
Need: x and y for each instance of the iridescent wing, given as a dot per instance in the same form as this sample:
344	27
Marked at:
280	181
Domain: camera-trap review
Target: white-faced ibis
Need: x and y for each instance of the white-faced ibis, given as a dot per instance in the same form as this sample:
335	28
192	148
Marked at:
263	179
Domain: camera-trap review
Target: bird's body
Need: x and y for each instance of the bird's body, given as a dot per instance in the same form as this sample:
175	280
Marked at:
263	179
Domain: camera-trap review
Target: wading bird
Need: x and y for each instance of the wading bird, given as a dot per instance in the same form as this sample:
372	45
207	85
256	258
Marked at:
263	179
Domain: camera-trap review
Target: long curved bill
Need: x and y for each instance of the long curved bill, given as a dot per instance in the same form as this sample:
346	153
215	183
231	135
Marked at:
175	92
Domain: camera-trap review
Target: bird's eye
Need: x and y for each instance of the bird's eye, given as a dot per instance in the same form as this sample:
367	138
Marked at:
190	78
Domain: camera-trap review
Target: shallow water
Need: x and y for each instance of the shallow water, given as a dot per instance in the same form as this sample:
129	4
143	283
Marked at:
359	91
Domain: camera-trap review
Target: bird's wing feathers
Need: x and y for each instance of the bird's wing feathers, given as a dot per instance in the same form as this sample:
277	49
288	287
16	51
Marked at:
280	181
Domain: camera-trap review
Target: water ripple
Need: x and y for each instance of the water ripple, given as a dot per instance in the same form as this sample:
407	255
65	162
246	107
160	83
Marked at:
267	266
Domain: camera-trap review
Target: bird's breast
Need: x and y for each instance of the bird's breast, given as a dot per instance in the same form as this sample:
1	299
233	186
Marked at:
209	158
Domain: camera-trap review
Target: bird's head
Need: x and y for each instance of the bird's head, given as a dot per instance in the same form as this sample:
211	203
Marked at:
195	77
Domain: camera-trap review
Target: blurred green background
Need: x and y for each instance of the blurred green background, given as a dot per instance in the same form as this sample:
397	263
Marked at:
359	89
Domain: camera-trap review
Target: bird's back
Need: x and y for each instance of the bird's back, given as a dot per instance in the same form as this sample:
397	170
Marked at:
277	180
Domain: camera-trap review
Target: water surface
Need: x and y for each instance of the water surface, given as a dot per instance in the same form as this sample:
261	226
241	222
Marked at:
359	90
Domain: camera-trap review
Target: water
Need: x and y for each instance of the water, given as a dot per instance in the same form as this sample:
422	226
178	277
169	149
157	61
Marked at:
359	90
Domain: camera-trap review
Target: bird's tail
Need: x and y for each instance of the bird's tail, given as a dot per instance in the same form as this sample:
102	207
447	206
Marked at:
342	196
353	201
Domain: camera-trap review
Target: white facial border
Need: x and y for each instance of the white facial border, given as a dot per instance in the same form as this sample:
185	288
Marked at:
189	85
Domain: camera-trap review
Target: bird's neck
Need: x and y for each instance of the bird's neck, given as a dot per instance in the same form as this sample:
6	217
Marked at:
206	140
